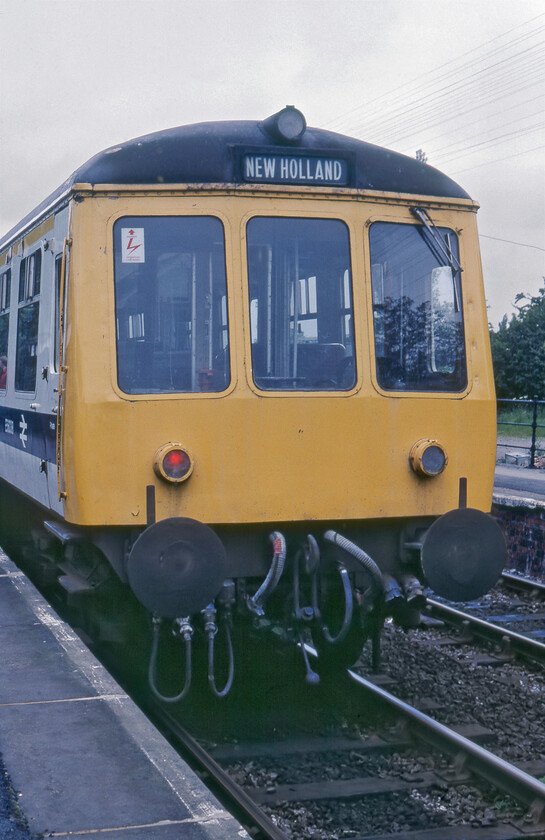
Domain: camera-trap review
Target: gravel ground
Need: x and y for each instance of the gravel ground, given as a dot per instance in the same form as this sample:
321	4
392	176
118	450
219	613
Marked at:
512	610
527	613
506	598
508	699
386	815
518	617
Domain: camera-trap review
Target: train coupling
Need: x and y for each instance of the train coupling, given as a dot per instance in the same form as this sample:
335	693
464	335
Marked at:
413	591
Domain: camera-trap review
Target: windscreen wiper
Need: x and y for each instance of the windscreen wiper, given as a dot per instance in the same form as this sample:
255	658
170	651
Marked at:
443	246
445	250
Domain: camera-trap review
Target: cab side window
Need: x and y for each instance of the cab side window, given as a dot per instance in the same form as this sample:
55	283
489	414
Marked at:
5	289
27	322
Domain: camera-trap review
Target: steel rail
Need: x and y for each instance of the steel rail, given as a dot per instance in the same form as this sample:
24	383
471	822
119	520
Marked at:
483	763
238	802
522	645
523	583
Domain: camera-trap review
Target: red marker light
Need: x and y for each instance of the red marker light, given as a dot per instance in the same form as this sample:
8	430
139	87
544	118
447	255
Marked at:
176	463
173	463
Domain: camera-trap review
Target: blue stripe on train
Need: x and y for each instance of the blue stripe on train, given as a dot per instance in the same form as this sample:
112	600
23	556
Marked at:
29	431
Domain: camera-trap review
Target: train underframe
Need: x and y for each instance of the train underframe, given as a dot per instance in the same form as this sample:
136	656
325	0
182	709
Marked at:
326	585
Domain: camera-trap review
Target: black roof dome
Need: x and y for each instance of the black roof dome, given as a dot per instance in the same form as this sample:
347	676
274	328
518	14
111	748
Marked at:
207	153
212	153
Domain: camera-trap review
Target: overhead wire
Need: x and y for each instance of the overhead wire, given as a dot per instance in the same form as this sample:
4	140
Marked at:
398	95
469	111
489	161
452	121
493	88
459	87
510	242
520	103
491	142
508	67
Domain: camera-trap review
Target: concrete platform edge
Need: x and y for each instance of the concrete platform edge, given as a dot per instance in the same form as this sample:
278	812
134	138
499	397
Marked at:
185	784
510	499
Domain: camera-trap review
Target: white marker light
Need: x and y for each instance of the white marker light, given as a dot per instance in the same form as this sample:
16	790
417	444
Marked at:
288	124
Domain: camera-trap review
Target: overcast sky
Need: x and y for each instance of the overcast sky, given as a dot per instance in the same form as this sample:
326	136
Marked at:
463	80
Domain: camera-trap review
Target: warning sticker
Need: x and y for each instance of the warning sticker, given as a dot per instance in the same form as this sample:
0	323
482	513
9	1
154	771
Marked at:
132	245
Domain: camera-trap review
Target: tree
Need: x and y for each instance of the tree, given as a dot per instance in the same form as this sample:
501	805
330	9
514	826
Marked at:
518	349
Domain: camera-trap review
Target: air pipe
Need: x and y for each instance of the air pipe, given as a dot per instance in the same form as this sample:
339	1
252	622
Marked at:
360	555
256	601
348	610
211	629
184	630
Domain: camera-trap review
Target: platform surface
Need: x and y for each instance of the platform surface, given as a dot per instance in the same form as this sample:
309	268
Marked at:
519	484
83	759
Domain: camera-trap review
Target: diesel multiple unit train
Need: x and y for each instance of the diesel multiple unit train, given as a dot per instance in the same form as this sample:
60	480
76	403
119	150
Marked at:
246	381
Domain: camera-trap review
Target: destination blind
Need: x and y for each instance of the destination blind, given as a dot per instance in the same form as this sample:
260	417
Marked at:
292	169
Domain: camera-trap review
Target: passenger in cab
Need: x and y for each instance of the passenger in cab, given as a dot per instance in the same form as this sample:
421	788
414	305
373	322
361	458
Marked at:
3	371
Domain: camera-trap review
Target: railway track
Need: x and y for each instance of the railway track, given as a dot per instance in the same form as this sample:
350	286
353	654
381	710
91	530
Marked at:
471	758
529	586
270	785
497	629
